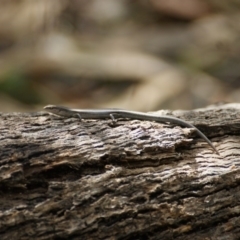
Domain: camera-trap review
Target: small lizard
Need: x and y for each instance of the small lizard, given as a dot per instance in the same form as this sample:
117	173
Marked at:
120	113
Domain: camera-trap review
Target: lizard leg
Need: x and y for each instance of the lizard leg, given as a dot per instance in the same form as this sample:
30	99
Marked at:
113	118
79	116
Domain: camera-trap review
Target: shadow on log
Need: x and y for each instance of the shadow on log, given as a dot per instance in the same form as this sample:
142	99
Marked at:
66	179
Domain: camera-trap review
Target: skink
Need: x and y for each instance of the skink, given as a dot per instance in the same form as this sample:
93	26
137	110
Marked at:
120	113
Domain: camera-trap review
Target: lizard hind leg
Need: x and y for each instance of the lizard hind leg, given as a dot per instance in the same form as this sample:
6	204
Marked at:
113	118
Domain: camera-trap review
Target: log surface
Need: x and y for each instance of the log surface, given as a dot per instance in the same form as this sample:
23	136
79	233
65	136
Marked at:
67	179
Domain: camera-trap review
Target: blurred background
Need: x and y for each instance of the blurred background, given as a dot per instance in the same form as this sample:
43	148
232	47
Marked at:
141	55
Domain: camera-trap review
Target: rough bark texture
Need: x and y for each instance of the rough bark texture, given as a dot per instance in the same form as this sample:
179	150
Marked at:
66	179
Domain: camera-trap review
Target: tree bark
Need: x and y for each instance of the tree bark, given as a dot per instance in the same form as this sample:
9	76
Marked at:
67	179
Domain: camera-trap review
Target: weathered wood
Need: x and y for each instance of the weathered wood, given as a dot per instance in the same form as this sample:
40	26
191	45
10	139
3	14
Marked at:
66	179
